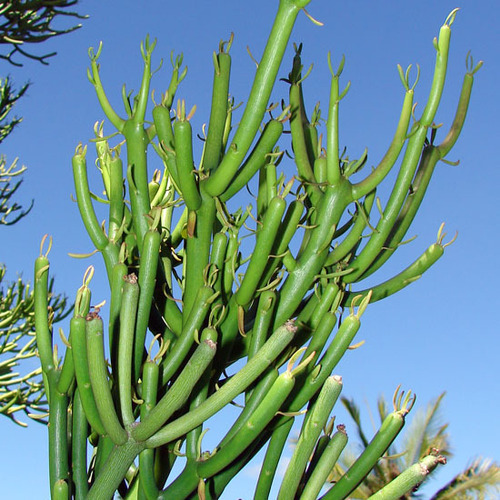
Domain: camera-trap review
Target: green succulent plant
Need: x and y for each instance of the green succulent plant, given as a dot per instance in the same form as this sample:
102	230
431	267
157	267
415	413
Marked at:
195	318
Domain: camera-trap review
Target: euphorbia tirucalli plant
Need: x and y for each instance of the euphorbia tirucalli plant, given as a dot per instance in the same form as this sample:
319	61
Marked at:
193	321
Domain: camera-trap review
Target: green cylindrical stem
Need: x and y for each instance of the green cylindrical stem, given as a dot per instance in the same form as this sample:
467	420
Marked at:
114	470
316	418
390	428
459	120
409	479
128	311
175	80
309	263
271	185
116	284
99	239
183	344
257	158
269	467
81	308
287	231
95	80
336	350
197	253
253	400
67	373
217	256
332	133
236	385
379	173
319	337
297	125
230	263
116	202
255	424
79	448
84	200
137	144
442	49
163	126
325	302
58	437
42	327
218	111
178	394
259	96
104	447
320	170
325	464
185	165
266	235
352	239
150	378
99	380
60	490
289	226
413	272
263	319
80	358
200	393
147	283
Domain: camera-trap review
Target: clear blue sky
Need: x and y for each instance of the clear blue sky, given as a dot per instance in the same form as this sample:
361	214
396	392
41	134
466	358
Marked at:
440	334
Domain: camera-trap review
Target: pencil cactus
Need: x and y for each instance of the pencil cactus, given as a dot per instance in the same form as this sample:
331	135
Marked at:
227	324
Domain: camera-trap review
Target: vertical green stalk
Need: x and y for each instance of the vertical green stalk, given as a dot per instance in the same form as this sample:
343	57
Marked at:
309	263
316	418
332	127
115	469
80	359
183	344
42	326
274	450
150	377
137	142
259	96
197	253
118	273
147	283
116	202
79	448
99	380
200	394
319	474
128	313
99	239
218	110
58	438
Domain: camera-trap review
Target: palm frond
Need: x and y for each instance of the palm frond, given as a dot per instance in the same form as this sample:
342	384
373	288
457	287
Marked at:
480	480
353	410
